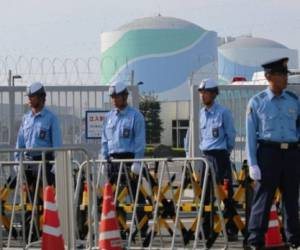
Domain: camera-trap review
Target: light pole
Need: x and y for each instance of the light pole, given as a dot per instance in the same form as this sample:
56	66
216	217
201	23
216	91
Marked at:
11	83
11	78
15	77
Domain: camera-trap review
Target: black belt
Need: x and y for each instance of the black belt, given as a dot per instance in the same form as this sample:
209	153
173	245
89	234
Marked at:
48	156
279	145
123	155
215	151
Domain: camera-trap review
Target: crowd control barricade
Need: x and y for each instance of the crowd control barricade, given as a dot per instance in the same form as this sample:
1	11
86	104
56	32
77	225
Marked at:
22	203
166	198
160	207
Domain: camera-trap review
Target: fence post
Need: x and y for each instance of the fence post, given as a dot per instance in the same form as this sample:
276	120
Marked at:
11	101
65	196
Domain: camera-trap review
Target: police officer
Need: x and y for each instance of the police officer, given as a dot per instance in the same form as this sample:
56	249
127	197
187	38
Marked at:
272	130
217	137
39	129
123	137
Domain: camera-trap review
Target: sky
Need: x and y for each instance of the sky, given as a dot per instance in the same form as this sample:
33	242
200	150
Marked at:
72	28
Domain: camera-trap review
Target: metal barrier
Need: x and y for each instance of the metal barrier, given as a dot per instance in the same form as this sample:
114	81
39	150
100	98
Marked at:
161	206
25	201
167	198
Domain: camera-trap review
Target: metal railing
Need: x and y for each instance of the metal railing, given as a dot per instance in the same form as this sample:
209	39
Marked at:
162	181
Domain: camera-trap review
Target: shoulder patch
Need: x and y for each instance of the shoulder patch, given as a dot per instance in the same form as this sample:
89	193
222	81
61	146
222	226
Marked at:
291	94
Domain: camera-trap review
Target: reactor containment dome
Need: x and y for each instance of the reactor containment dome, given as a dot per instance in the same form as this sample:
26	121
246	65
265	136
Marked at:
244	56
161	52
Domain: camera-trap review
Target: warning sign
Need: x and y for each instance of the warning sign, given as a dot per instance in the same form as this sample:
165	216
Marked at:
94	123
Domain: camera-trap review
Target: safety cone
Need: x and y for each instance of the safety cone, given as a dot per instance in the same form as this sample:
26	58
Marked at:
85	197
273	239
52	235
109	238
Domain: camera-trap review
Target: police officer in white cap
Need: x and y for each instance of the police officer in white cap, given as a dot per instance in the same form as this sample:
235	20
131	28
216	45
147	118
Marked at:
217	138
39	129
123	134
123	137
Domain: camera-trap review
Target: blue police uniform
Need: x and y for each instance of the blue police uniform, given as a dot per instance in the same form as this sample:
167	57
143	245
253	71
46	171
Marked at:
123	137
272	144
123	132
217	139
39	130
216	129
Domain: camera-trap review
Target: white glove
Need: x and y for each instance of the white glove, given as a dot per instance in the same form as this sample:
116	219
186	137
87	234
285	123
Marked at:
53	169
254	172
103	169
15	170
136	167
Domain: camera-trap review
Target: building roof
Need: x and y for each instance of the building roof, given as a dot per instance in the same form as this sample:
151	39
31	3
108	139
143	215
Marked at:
252	42
158	22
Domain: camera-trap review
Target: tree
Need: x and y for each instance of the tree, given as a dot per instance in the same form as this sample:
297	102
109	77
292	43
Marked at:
150	108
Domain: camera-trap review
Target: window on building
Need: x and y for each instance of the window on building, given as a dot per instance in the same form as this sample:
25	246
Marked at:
179	129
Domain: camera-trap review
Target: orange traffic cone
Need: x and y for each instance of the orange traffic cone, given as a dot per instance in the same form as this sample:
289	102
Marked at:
110	238
85	197
52	235
273	239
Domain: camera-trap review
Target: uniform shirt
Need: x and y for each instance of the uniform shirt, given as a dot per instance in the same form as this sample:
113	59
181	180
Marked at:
216	128
123	131
271	118
39	130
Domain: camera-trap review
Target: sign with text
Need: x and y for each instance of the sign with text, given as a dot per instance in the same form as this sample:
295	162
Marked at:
94	123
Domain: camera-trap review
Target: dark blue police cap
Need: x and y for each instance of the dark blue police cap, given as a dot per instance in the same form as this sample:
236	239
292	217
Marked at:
277	66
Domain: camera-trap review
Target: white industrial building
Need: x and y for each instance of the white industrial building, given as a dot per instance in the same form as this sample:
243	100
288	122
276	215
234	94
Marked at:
243	56
168	54
161	52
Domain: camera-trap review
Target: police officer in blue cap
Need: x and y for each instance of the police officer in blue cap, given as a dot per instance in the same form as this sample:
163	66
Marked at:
217	138
272	130
123	137
39	129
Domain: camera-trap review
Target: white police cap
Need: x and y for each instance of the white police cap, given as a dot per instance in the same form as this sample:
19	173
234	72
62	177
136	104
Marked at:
208	84
117	88
35	88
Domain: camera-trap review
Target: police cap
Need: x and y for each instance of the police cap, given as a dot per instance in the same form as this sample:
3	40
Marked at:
117	88
35	88
277	66
209	85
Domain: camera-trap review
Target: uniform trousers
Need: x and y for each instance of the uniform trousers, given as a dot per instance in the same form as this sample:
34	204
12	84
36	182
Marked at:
113	171
222	166
280	168
31	171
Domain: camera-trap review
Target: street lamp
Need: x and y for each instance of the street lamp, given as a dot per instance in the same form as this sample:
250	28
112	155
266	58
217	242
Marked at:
15	77
11	78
